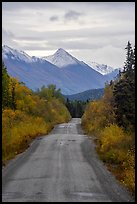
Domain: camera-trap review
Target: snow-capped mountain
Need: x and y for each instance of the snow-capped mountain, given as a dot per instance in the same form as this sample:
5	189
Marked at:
15	54
101	68
18	55
34	72
65	71
61	58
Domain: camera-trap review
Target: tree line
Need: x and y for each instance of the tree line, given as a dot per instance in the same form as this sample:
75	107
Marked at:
111	120
76	107
27	114
124	91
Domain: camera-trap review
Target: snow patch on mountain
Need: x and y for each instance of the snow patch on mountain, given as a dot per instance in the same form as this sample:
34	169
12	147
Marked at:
101	68
68	73
61	58
19	55
13	53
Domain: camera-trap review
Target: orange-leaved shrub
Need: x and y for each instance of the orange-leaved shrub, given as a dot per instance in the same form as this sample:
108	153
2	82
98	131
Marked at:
18	129
114	144
26	116
99	114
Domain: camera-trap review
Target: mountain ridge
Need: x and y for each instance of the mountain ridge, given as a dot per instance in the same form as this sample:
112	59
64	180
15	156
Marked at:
65	58
90	95
101	68
35	72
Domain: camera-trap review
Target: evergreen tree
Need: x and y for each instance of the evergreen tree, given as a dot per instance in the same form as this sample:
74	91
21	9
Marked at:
128	63
13	90
76	108
124	92
129	67
5	87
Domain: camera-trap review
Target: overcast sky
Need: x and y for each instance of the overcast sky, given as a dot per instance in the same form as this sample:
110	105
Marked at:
90	31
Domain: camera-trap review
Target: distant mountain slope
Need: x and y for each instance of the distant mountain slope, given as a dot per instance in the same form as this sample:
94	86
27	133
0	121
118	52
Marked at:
34	72
61	58
92	94
112	75
73	76
101	68
84	76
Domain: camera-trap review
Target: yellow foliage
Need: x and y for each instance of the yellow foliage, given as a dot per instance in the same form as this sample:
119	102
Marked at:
129	179
114	145
99	114
33	116
128	168
22	91
17	131
114	142
111	136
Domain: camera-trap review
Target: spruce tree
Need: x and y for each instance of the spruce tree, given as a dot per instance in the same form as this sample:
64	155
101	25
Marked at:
5	87
128	63
124	92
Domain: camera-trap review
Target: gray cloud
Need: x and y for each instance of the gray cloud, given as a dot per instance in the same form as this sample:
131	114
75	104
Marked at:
69	15
8	38
77	26
108	32
10	6
72	15
7	34
74	42
54	18
73	45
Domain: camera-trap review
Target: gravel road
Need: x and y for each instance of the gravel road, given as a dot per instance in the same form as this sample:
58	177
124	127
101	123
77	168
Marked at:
61	167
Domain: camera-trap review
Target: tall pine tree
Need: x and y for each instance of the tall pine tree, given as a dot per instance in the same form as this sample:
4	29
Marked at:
5	87
124	92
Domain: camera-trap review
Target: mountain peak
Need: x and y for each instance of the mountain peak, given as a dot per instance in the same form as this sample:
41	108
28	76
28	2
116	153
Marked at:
13	53
61	50
74	76
61	58
6	48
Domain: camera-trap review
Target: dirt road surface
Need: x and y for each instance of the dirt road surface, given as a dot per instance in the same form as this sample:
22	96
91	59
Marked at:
61	167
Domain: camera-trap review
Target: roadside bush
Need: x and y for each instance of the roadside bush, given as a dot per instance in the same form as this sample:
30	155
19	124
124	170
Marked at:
114	143
18	129
111	121
28	115
128	168
115	147
99	114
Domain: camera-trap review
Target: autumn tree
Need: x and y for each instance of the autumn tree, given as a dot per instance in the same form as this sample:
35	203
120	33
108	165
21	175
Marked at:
50	92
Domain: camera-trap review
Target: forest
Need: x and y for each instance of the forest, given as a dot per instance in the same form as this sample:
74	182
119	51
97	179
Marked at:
27	114
111	122
76	107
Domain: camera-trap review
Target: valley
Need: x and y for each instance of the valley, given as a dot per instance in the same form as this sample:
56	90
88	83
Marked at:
69	74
